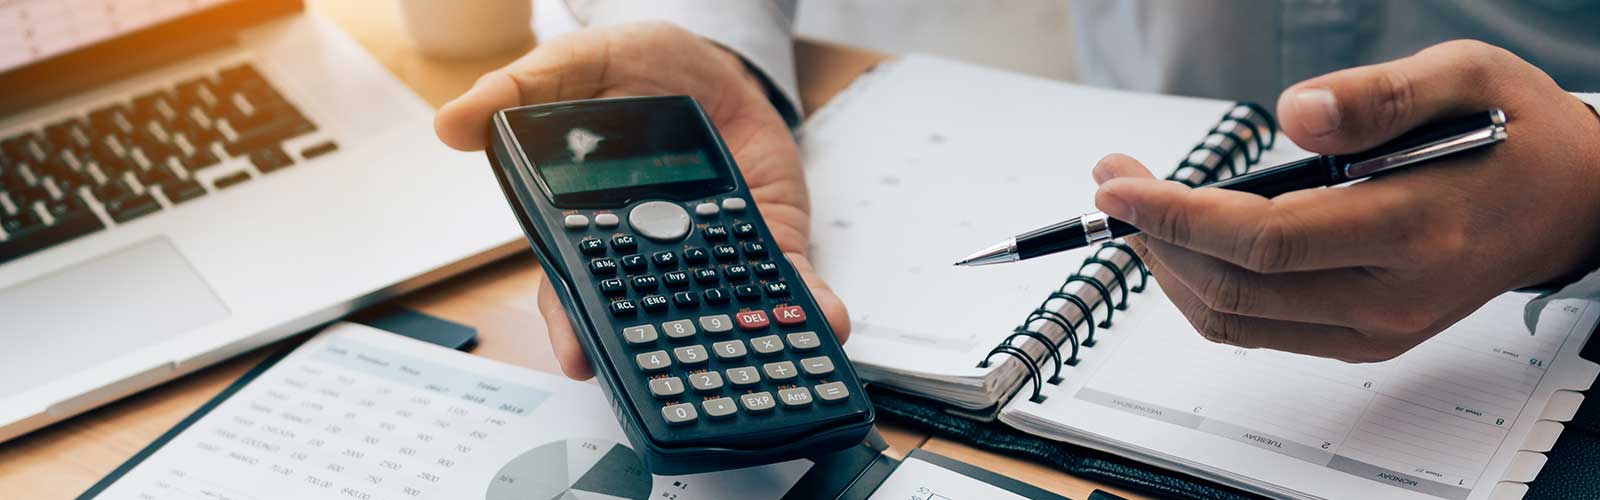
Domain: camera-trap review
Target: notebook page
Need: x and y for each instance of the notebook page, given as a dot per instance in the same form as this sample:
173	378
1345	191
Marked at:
925	160
1443	421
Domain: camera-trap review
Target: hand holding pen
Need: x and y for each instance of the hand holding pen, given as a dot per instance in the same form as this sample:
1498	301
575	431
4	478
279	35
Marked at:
1368	271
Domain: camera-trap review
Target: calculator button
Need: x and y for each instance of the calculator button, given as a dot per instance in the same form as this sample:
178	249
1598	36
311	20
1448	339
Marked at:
681	413
719	407
660	220
798	397
653	361
706	276
603	267
737	272
715	295
666	386
770	344
777	289
654	303
633	263
804	341
696	256
707	209
782	370
607	221
818	366
624	244
705	381
592	246
789	315
744	230
732	349
743	376
665	260
645	283
642	334
766	269
733	204
613	286
575	221
720	323
685	300
691	354
623	307
679	329
676	279
715	233
757	402
755	249
747	292
832	391
752	320
725	252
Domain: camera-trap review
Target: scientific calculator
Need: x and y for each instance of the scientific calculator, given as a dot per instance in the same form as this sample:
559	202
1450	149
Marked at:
710	347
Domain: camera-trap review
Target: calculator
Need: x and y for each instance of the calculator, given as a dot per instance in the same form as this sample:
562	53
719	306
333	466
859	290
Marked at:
709	346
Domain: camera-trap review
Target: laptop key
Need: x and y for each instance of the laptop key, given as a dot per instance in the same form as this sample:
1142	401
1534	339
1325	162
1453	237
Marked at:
270	159
319	150
270	134
231	180
201	159
179	191
133	207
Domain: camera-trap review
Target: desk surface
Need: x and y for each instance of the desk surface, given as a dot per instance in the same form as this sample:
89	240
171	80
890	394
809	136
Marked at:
65	459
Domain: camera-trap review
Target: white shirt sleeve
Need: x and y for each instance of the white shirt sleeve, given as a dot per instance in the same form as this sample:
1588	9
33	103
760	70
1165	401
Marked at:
1586	287
760	31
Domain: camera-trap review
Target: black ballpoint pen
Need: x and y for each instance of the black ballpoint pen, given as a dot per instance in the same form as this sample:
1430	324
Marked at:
1428	142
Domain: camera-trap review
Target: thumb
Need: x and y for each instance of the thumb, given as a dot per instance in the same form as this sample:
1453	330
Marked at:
462	123
1358	108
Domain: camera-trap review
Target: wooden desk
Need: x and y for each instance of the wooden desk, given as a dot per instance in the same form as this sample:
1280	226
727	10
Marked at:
65	459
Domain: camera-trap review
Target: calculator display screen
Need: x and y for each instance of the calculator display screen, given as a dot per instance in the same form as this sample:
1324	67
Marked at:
599	152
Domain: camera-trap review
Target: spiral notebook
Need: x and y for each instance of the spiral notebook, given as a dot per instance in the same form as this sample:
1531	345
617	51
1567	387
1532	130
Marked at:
923	159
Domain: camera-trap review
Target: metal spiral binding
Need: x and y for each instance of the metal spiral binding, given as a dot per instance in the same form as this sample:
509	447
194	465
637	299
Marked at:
1223	149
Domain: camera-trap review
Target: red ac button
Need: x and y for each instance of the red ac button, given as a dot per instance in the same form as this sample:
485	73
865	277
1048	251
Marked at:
789	315
752	320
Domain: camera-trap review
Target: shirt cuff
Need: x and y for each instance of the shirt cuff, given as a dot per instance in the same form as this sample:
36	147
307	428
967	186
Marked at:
760	32
1586	287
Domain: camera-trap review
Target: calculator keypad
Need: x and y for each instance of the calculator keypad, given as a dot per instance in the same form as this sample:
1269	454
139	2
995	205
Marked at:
702	307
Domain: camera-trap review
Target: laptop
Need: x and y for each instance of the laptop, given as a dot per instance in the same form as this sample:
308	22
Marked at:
182	181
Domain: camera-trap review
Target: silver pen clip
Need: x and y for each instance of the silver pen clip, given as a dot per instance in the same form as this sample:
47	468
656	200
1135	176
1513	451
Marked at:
1495	132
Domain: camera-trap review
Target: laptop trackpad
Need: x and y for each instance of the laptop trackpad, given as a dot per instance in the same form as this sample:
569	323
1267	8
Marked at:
96	310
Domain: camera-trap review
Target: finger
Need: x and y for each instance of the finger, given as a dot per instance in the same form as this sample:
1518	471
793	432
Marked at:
1339	297
1119	165
463	123
563	340
563	69
827	301
1325	341
1362	225
1358	108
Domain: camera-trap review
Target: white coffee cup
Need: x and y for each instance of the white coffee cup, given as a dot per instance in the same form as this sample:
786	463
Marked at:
468	28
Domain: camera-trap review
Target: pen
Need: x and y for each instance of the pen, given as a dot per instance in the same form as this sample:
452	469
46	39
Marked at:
1428	142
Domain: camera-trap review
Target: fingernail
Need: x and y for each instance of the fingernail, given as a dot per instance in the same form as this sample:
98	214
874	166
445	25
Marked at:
1114	205
1318	110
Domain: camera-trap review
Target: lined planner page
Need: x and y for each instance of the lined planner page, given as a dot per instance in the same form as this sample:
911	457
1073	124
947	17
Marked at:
1440	421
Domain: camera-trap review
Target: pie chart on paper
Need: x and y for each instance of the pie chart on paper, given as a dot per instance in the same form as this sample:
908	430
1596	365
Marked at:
573	469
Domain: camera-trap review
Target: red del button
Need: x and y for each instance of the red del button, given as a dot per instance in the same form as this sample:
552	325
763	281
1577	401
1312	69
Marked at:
789	315
753	320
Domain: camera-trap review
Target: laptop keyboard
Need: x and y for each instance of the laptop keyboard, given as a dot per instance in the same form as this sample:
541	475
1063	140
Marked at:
130	159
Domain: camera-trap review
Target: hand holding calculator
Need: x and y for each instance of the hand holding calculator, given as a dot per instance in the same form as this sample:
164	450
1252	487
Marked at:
709	345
